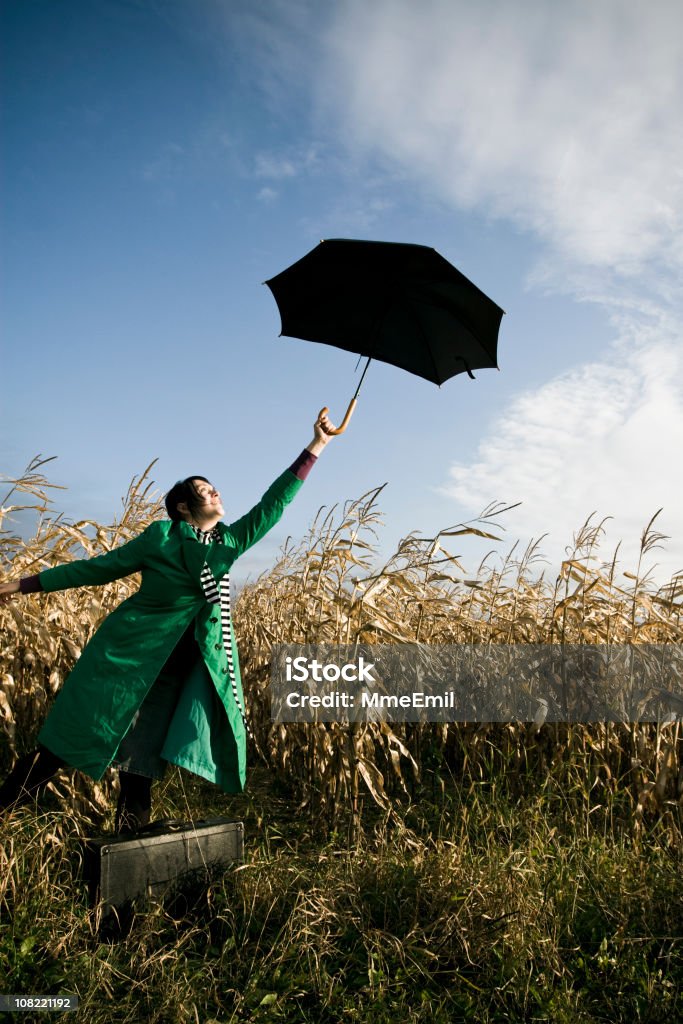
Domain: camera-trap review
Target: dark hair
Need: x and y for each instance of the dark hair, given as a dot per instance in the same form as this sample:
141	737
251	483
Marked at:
185	491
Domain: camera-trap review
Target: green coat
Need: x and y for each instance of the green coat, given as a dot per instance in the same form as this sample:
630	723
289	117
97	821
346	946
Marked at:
119	665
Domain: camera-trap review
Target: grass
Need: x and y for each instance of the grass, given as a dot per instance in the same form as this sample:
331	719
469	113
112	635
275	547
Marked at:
477	908
424	872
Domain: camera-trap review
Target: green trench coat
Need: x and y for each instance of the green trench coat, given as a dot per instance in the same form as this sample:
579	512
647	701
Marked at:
119	665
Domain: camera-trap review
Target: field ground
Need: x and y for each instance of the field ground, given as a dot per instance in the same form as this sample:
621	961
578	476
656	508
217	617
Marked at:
471	907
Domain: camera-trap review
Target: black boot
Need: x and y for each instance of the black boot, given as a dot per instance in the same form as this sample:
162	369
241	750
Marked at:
134	806
29	777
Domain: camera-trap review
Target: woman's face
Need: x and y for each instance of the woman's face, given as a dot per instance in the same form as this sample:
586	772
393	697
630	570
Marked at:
209	499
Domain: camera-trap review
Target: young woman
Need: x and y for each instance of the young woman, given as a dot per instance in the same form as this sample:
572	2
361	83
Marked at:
159	681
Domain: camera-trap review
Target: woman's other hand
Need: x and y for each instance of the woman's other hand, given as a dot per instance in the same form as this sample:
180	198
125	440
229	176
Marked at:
8	591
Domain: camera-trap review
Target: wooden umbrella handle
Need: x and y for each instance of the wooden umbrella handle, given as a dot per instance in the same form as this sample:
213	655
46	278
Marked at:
344	423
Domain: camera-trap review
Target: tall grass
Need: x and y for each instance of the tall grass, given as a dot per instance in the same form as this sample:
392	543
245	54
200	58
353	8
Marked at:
330	587
495	872
325	589
41	637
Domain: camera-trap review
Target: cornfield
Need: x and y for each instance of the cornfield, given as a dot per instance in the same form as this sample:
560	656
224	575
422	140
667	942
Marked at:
330	588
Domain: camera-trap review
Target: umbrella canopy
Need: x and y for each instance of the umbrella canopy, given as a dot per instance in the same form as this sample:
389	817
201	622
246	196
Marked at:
400	303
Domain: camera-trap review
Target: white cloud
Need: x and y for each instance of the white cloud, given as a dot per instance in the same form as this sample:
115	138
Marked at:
279	166
604	437
268	165
266	195
562	117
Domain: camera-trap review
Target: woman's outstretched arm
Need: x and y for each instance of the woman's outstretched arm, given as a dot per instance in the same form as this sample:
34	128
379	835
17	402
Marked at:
251	527
85	572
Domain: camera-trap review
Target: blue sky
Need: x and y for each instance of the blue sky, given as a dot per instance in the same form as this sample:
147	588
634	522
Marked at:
161	159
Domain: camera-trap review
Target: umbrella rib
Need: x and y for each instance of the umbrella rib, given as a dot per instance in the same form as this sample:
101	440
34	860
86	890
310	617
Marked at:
467	324
427	343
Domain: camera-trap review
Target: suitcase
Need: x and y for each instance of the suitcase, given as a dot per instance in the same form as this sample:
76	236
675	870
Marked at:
120	869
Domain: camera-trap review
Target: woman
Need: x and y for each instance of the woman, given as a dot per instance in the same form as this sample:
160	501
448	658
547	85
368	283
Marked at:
159	681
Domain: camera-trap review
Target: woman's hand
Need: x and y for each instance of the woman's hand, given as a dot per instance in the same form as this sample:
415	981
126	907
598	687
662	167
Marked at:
322	427
8	590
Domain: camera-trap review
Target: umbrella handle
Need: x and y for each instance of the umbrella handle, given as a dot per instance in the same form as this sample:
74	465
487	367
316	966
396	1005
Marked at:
344	423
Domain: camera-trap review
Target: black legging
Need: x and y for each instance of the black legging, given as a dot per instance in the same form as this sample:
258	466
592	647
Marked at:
135	802
33	771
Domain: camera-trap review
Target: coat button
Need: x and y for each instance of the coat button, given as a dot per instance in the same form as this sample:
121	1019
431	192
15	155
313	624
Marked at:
214	619
218	646
225	671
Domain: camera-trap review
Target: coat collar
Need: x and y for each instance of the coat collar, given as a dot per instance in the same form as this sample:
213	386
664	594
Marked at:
219	557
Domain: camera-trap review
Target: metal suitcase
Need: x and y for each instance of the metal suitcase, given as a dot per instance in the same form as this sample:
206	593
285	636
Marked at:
119	869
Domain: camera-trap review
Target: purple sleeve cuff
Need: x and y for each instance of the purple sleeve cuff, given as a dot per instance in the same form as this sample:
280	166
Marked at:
303	464
30	585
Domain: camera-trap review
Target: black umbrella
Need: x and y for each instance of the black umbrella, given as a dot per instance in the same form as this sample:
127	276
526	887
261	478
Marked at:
399	303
